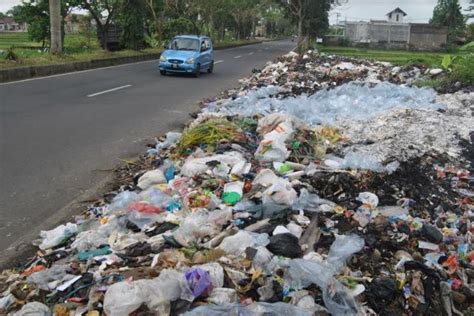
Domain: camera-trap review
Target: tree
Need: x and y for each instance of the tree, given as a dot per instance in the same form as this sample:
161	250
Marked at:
55	26
470	9
36	14
308	14
104	12
448	13
132	20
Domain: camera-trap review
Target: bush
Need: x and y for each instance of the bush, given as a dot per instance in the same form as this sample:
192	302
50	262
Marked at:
463	70
10	54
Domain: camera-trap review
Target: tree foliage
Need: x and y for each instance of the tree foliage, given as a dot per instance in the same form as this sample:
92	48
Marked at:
132	20
448	13
36	14
310	16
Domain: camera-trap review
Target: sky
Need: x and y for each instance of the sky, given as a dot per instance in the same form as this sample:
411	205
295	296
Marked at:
419	11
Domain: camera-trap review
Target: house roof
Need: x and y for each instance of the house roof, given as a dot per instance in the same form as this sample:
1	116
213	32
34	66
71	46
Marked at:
397	10
7	20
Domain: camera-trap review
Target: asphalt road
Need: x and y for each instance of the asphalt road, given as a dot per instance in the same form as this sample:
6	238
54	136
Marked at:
59	135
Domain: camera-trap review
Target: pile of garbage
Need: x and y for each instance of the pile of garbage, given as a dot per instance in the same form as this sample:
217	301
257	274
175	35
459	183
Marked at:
320	187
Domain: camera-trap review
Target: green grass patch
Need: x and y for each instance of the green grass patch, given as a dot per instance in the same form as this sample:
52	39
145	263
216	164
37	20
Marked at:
397	57
76	48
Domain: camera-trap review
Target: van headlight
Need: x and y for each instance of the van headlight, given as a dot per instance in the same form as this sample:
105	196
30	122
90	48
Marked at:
190	61
162	58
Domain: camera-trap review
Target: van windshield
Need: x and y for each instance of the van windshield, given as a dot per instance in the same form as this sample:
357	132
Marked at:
184	44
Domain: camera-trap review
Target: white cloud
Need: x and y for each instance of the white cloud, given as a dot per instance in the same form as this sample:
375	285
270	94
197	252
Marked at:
6	5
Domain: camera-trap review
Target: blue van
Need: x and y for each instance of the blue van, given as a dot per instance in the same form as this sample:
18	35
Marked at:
188	54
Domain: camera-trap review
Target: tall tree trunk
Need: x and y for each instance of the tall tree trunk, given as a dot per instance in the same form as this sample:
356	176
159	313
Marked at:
254	25
55	26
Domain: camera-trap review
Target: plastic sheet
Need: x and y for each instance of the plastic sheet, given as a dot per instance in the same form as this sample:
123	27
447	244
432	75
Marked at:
352	100
259	308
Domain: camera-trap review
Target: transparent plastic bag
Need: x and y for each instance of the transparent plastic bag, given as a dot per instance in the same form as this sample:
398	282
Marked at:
236	244
121	201
54	237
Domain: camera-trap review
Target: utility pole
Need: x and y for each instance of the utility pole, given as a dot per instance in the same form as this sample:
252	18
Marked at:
55	26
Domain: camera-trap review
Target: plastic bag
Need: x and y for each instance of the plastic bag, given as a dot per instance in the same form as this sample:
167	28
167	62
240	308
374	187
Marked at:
50	278
151	178
280	193
341	249
223	296
368	199
233	192
266	178
6	302
273	147
311	202
90	239
236	244
285	245
194	166
123	298
34	309
302	273
122	200
54	237
216	273
195	227
199	281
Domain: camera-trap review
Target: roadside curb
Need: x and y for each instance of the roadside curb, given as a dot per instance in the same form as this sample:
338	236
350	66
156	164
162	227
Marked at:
20	73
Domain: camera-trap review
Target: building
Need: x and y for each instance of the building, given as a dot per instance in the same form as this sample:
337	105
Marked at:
8	24
396	16
396	35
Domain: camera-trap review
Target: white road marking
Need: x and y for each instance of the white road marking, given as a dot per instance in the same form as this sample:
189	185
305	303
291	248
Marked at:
251	53
77	72
218	62
240	56
267	48
110	90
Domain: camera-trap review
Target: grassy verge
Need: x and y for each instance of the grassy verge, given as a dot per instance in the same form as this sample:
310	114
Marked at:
393	56
76	48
